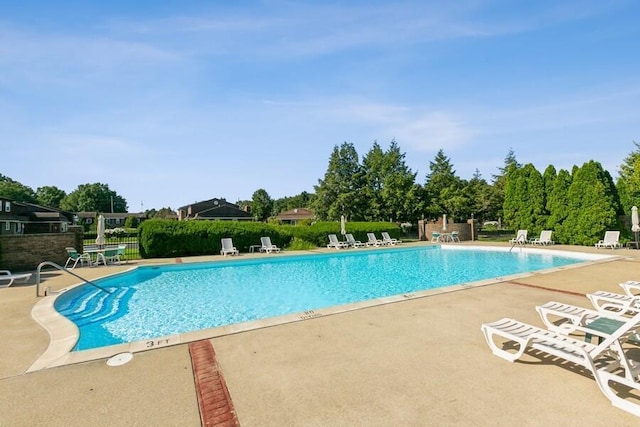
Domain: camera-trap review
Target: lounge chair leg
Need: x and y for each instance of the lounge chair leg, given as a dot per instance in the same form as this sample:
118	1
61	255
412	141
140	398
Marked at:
604	379
511	357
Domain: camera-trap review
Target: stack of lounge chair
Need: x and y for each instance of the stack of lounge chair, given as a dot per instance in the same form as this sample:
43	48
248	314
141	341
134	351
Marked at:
615	320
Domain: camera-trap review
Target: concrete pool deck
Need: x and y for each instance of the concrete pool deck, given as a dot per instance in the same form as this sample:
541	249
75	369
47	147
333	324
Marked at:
413	362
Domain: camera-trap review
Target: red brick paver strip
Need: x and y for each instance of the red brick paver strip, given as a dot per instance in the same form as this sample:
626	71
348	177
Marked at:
216	408
562	291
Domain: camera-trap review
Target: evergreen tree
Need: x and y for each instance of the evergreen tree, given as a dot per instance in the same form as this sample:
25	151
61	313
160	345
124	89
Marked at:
374	172
557	206
592	205
524	206
340	192
499	187
389	185
479	195
441	184
628	184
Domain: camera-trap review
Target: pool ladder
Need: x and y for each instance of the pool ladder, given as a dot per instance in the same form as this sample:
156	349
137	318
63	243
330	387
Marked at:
519	242
53	264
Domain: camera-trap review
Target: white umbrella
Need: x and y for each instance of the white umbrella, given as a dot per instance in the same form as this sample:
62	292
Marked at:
343	225
635	223
444	222
100	231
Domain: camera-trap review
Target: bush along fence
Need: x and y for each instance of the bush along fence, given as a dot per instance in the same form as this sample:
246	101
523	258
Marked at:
165	238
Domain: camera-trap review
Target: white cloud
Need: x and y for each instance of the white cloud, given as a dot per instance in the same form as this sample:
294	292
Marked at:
434	131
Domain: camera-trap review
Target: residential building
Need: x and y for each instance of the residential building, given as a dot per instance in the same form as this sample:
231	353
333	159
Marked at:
214	209
292	216
29	218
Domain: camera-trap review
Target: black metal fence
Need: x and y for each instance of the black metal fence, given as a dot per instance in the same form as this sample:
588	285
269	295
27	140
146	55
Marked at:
131	252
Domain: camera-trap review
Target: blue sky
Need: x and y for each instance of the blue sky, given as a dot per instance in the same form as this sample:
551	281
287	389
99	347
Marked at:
174	102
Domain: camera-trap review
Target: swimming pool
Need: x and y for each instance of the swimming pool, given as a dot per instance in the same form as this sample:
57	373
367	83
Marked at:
156	301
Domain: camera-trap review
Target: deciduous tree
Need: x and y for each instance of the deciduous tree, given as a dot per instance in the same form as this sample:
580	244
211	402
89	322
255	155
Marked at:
50	195
261	204
93	198
13	190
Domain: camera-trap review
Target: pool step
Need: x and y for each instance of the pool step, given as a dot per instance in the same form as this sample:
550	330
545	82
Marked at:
96	305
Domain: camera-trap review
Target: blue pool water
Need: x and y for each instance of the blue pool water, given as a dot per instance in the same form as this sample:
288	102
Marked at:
155	301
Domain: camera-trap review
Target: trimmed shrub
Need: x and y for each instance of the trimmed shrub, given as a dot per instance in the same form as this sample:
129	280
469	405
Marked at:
159	238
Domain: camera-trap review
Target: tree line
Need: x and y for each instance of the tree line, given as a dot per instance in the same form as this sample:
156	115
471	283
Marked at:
578	204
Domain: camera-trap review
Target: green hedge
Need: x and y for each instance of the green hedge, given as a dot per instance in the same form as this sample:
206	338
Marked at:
160	238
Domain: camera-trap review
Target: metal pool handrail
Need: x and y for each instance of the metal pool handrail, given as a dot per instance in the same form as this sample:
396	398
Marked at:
53	264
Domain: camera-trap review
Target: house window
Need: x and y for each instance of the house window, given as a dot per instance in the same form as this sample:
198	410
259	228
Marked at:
7	207
7	226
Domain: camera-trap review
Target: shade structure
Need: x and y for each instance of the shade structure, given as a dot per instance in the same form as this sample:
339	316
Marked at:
444	222
343	225
100	231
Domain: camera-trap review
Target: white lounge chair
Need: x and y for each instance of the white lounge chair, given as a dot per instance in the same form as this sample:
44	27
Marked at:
613	302
520	239
267	246
387	240
631	287
373	240
611	240
7	276
567	319
544	239
435	236
351	241
75	258
227	247
607	361
335	243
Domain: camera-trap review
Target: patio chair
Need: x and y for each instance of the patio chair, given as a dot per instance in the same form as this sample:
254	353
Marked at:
110	255
75	258
351	241
607	361
544	239
387	240
520	239
373	240
267	246
6	275
227	247
455	236
435	236
335	243
611	240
